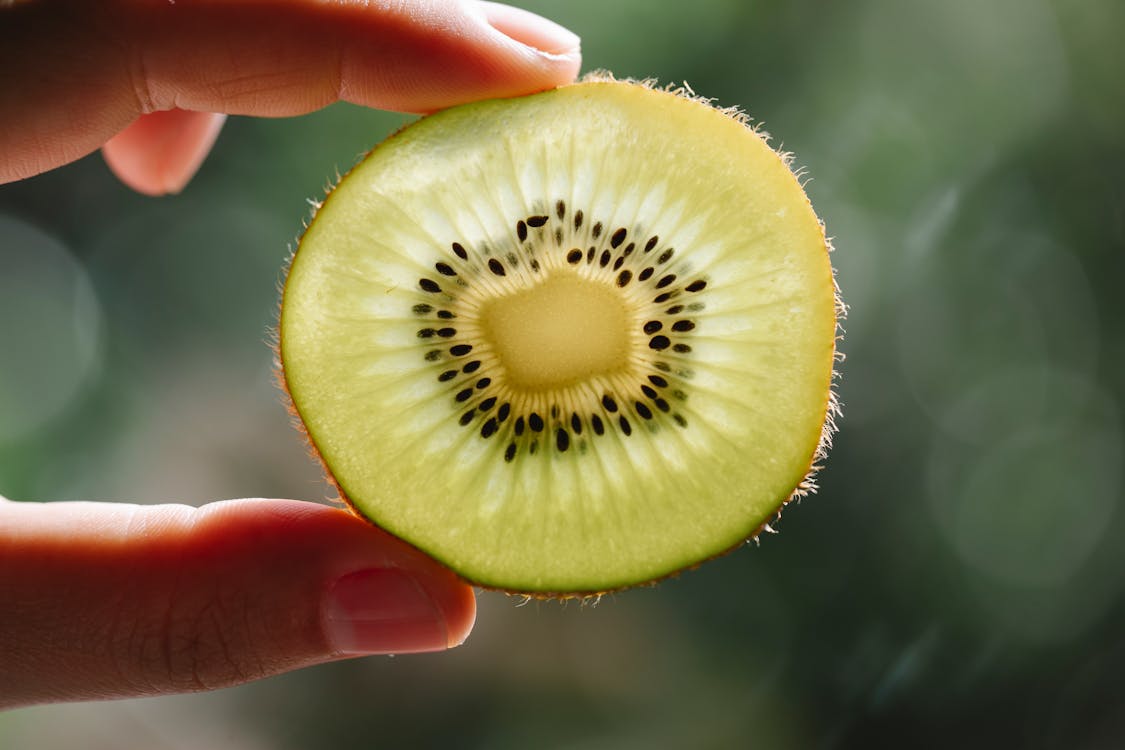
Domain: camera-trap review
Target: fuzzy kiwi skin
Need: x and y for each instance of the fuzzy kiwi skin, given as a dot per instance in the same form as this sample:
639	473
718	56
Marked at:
805	486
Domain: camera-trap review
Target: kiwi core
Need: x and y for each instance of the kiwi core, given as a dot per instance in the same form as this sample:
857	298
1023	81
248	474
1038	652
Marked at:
559	332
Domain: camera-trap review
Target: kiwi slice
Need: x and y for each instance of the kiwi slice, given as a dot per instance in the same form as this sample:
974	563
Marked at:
569	342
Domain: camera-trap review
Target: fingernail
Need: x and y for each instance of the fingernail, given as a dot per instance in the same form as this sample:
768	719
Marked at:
530	29
382	611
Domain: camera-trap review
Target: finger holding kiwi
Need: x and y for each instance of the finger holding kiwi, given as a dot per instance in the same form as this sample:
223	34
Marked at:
566	343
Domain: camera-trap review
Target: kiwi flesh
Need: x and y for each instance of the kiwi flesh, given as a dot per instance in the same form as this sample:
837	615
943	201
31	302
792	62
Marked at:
566	343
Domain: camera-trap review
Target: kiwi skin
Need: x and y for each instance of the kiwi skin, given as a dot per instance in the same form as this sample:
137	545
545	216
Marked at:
831	410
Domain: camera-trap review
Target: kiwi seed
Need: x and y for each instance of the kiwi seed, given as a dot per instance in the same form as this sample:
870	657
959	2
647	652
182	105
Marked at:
540	354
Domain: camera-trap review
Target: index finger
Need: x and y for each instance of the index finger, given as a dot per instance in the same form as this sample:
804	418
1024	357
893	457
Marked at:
76	73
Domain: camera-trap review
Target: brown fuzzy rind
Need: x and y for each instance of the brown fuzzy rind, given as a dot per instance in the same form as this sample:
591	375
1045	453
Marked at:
832	409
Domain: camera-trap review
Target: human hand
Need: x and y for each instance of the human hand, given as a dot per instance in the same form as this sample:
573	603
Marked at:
110	600
106	600
150	81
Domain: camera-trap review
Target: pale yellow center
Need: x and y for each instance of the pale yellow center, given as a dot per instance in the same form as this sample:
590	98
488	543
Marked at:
557	333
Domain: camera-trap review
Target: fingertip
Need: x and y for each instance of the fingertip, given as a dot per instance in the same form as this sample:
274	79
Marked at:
380	594
460	615
160	152
557	49
402	601
530	29
394	610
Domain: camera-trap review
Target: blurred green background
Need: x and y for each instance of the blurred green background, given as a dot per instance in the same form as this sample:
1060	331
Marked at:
958	581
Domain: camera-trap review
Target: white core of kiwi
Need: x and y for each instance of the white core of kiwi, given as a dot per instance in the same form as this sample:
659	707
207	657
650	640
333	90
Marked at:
557	333
566	343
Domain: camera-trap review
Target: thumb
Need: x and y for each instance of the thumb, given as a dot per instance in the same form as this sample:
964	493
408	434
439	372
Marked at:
105	600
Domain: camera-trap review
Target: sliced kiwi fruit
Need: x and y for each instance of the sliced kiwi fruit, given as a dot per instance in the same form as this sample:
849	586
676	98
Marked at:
569	342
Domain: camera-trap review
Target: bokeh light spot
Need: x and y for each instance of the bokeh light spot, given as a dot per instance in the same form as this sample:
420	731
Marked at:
50	325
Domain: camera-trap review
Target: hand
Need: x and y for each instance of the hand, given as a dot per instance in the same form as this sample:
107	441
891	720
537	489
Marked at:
108	600
105	600
144	79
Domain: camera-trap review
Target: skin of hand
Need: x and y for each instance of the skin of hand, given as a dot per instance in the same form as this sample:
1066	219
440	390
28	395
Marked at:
78	75
109	600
